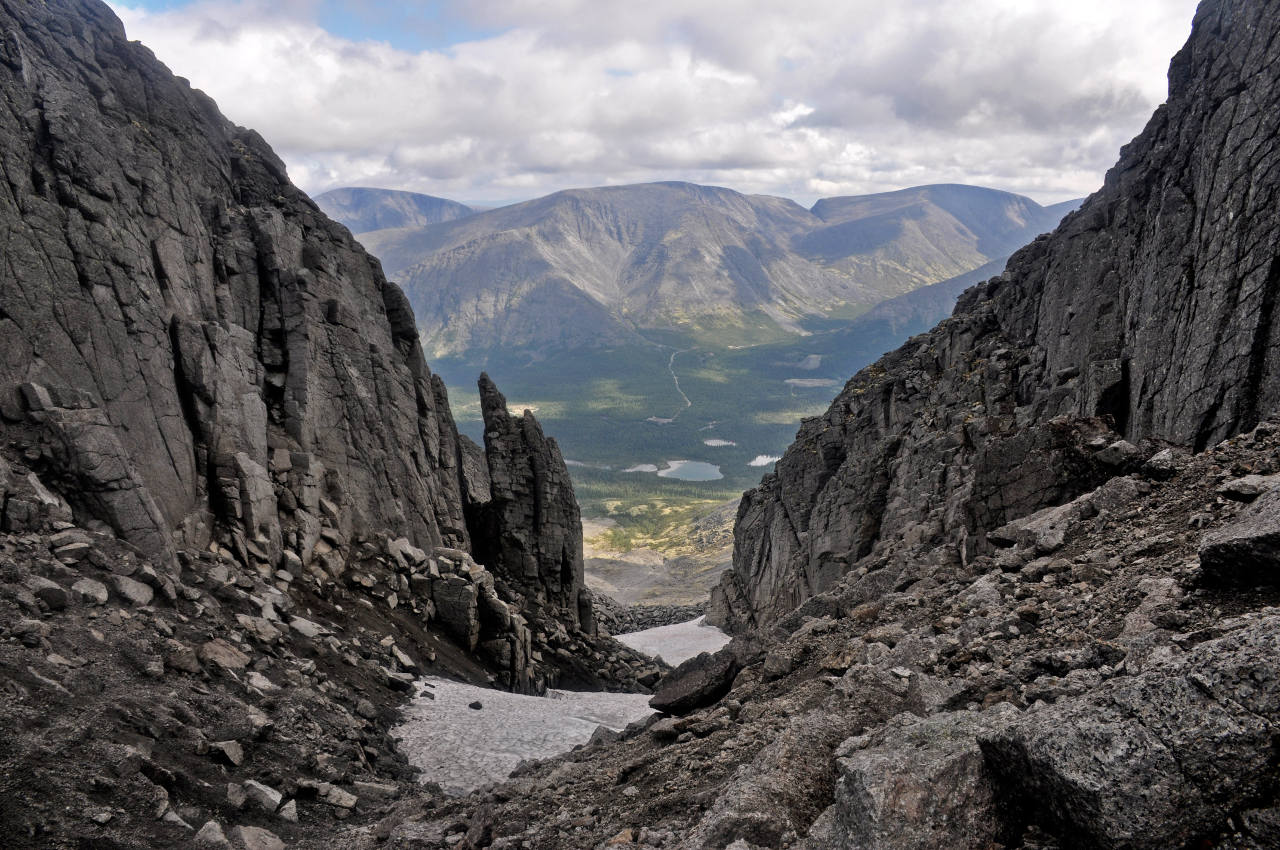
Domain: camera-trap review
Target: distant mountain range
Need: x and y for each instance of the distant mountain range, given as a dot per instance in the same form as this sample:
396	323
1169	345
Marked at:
673	321
599	267
364	210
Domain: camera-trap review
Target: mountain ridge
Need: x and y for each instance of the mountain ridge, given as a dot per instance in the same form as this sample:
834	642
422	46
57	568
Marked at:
363	209
674	254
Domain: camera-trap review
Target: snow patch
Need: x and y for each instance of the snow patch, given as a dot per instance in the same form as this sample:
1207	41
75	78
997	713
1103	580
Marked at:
764	460
463	748
676	643
813	361
715	444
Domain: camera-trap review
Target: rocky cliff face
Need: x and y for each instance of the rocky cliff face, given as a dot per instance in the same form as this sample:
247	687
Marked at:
233	503
1147	316
527	527
193	355
196	343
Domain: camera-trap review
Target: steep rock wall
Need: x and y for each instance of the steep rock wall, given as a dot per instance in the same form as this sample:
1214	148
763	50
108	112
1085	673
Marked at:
192	353
1151	308
180	312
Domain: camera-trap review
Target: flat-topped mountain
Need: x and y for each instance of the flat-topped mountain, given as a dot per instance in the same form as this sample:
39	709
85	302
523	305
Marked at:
364	209
594	267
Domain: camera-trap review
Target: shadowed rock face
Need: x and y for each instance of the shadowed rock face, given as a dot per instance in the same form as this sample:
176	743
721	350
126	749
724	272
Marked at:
180	321
528	530
1150	310
190	351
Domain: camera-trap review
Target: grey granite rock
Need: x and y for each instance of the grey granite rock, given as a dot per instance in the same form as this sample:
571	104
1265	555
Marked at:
172	308
1246	552
698	682
1151	308
917	784
455	600
1154	761
529	531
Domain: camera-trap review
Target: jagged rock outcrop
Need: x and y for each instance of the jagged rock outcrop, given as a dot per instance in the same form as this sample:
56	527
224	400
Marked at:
528	530
1150	308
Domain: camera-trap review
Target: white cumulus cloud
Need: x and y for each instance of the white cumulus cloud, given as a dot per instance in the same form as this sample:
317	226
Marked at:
802	98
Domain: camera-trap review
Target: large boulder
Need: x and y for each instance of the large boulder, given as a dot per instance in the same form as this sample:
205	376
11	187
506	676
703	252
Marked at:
698	682
1247	551
1154	761
915	785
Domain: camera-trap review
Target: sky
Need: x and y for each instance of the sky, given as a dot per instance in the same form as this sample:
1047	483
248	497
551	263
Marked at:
490	101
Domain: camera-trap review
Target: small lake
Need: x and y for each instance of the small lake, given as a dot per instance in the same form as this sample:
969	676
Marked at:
691	470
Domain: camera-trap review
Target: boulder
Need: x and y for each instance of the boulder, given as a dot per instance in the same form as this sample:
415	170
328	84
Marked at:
1248	487
1246	552
134	591
457	608
917	784
700	681
1153	761
263	796
90	591
222	654
256	838
212	837
49	592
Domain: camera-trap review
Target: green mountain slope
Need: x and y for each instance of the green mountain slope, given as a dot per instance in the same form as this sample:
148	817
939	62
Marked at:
673	322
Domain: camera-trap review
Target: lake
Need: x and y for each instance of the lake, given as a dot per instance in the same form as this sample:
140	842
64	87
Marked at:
691	470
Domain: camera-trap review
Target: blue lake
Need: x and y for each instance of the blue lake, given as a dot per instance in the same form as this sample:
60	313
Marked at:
691	470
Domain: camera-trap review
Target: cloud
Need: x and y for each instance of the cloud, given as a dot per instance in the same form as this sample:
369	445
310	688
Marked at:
799	98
